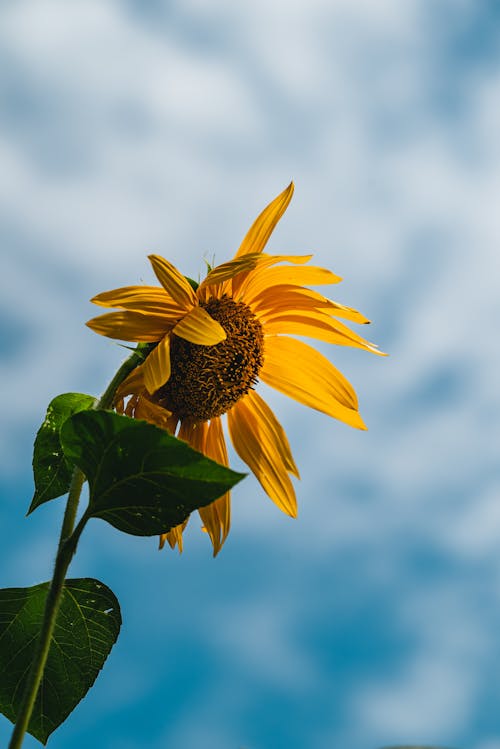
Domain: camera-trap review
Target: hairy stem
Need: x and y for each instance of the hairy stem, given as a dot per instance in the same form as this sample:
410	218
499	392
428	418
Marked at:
68	541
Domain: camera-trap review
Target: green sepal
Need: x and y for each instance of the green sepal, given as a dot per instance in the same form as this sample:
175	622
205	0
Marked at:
141	480
87	626
51	468
141	350
194	284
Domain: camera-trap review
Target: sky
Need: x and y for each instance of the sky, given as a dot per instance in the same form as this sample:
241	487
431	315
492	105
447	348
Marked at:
135	127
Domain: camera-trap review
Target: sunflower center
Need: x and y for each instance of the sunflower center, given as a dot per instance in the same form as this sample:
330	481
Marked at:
206	381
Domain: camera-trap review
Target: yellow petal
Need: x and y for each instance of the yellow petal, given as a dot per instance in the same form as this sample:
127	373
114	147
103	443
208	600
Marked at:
266	278
253	441
174	537
302	373
133	384
214	291
262	228
286	299
240	281
349	313
212	525
186	431
156	368
148	299
316	324
209	440
273	430
173	282
131	406
148	411
216	444
195	434
130	326
239	271
268	260
198	327
217	516
230	269
281	299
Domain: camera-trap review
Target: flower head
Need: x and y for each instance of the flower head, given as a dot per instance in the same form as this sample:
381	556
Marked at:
212	344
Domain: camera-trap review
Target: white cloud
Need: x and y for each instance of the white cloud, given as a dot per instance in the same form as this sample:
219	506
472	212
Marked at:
430	699
257	633
433	697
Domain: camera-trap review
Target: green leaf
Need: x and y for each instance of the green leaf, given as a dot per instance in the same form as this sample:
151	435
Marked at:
51	469
86	629
141	479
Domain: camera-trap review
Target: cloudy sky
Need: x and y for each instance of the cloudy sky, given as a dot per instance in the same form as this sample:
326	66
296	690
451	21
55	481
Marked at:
134	127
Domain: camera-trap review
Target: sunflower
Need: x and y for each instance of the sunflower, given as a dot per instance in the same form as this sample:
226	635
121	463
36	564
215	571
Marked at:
212	343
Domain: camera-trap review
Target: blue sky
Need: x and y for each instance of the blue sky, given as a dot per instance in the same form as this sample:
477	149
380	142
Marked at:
131	127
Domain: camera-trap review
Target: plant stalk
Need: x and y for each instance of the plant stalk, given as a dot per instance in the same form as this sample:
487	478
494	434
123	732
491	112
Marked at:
68	541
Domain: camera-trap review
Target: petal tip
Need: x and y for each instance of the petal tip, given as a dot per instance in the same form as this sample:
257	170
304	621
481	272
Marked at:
92	324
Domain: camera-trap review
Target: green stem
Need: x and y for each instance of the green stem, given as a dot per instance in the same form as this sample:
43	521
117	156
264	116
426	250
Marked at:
52	604
68	541
136	358
75	489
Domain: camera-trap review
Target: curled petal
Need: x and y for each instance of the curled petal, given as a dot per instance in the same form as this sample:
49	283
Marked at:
228	270
132	384
198	327
144	409
156	368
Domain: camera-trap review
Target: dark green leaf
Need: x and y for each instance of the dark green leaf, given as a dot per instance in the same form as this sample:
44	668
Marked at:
141	479
86	629
51	469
